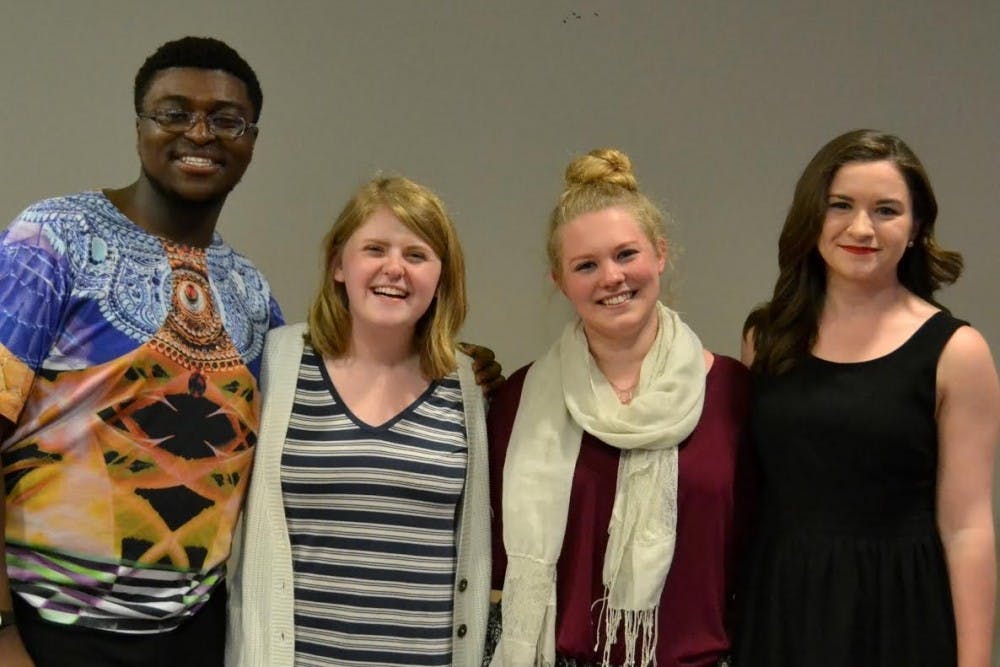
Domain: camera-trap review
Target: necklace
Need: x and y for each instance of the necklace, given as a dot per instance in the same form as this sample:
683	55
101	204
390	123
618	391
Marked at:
625	395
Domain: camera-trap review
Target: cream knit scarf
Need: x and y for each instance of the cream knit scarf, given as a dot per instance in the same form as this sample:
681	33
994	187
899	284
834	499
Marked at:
565	394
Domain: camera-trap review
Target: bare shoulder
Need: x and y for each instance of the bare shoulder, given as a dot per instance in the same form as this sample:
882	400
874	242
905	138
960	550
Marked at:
709	359
966	365
966	348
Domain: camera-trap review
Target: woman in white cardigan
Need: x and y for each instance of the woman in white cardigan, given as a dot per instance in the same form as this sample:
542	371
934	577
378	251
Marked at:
366	534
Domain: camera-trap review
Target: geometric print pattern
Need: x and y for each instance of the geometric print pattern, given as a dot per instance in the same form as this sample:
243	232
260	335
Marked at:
114	596
156	483
130	374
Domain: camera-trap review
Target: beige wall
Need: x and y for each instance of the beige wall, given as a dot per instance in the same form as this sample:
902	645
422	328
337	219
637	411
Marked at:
719	104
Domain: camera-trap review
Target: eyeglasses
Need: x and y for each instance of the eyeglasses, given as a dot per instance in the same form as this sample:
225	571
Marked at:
221	125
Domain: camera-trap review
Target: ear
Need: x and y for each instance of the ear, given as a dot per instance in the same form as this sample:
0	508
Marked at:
557	281
661	255
335	269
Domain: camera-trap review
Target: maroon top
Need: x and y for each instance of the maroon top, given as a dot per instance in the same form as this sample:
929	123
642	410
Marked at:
713	497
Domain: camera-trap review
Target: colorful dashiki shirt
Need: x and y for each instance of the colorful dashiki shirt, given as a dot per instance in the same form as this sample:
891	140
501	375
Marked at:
128	365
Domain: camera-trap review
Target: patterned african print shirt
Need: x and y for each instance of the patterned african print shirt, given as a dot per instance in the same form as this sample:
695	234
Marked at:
128	365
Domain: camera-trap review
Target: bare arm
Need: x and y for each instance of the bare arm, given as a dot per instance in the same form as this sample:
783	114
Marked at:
12	652
968	427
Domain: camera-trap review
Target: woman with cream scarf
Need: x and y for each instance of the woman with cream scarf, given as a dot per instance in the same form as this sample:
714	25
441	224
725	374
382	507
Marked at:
616	461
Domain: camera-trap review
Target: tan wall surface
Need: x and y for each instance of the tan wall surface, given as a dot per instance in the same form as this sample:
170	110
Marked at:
719	104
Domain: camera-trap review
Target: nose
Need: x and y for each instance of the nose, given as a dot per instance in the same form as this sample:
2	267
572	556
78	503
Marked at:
393	265
861	225
200	132
612	274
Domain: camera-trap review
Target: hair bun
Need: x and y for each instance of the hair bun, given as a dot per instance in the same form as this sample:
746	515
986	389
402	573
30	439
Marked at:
602	165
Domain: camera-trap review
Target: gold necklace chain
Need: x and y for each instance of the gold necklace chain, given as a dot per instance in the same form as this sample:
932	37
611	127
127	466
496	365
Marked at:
625	395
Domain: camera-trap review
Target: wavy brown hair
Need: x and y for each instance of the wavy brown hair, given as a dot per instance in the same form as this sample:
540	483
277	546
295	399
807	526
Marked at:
785	328
423	213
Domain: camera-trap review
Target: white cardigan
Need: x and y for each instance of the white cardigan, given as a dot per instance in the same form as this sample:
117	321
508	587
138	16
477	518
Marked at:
261	630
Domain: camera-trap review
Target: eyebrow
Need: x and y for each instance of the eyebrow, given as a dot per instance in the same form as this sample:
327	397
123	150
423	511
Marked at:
590	255
406	246
186	101
886	200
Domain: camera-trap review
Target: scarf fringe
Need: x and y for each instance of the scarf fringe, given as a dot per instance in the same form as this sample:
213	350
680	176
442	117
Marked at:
640	627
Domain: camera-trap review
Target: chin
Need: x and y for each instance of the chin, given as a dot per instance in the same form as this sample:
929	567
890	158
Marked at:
186	196
626	324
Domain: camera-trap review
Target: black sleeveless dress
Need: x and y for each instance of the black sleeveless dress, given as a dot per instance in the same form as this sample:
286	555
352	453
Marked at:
848	569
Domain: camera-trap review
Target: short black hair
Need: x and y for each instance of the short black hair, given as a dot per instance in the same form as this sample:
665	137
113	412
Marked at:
202	53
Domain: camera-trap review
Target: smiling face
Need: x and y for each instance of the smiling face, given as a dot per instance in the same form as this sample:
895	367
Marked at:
610	271
195	166
867	225
390	274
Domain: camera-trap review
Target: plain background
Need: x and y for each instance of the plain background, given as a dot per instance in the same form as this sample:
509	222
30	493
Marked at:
720	105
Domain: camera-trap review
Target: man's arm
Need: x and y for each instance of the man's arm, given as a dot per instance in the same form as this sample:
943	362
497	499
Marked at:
35	285
12	651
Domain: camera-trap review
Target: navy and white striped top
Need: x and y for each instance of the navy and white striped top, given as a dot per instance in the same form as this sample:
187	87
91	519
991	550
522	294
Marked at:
372	517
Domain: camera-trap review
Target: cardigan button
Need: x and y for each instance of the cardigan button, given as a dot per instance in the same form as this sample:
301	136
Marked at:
462	630
462	585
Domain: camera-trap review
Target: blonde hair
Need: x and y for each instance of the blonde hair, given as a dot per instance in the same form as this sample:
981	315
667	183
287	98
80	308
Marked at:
421	212
601	179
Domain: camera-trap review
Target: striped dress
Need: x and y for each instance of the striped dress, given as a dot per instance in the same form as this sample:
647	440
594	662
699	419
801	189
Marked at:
372	516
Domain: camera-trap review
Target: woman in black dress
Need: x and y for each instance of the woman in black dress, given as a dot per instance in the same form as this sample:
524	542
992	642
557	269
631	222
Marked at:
875	418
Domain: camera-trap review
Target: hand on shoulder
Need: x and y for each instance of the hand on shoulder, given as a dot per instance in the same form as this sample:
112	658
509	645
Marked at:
489	373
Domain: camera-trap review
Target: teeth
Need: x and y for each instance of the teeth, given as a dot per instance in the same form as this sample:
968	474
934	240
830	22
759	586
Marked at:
617	299
197	161
389	291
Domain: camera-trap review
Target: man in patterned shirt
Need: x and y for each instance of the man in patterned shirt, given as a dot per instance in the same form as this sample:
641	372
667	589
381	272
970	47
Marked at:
130	342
